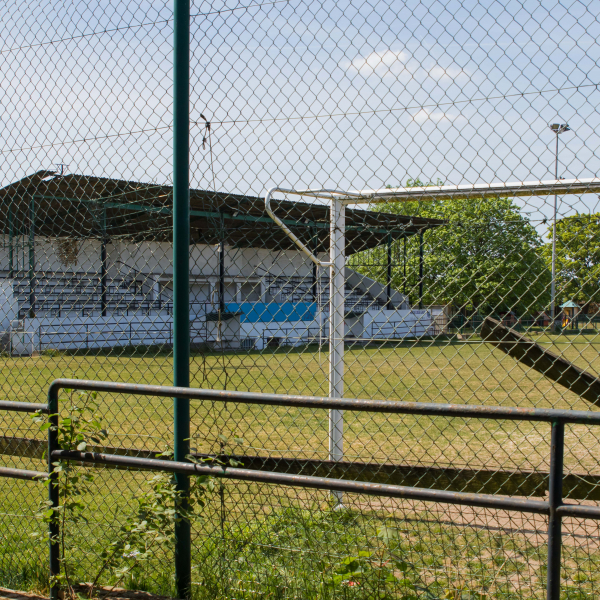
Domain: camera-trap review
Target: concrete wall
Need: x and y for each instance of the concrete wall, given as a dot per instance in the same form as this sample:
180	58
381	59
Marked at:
272	312
241	263
392	324
38	334
8	305
373	324
154	258
46	259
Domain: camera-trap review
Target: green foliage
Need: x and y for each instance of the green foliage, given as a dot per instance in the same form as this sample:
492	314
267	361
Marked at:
319	554
382	572
577	258
159	507
51	352
487	256
292	553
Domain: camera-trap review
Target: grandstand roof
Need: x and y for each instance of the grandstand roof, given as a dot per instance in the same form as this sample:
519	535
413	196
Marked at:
86	206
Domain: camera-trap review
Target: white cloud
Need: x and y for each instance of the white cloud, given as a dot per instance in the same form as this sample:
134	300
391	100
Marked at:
438	72
381	63
434	115
401	64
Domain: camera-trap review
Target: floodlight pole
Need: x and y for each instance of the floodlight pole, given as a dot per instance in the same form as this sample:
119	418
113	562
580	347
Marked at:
557	128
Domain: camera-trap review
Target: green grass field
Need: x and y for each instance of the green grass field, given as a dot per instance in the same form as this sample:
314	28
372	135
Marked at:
287	543
469	373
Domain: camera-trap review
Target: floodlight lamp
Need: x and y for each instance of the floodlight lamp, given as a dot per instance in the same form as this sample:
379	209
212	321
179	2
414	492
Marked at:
560	127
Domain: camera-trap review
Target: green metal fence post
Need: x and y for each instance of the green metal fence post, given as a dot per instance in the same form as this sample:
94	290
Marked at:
181	262
555	485
53	493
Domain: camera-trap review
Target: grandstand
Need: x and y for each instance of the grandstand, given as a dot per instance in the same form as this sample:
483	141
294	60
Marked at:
85	262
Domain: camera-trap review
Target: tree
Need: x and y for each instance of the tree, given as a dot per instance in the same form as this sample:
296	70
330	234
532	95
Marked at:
487	257
577	258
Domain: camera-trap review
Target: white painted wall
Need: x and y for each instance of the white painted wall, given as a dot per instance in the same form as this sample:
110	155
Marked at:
88	257
81	333
156	258
393	324
8	305
373	324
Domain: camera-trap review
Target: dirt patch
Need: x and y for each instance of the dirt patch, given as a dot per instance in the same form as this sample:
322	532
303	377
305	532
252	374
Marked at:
14	595
534	527
101	592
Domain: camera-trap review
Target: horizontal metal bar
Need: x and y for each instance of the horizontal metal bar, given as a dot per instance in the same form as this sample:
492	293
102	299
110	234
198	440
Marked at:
579	510
305	481
27	407
316	402
576	486
22	474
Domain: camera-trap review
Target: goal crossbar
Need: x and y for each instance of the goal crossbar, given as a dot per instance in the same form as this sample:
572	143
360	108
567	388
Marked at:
549	187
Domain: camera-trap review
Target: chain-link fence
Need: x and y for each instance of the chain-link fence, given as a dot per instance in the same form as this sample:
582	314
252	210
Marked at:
448	252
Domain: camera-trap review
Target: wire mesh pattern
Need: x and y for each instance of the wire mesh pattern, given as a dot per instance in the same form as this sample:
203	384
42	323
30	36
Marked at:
404	98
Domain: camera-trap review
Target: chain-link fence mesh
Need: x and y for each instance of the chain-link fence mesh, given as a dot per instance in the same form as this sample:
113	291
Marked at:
302	94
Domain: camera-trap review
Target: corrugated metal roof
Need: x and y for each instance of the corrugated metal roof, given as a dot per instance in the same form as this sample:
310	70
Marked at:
87	206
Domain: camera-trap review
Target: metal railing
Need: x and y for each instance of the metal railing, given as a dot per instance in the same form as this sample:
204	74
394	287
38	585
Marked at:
554	508
290	336
91	336
92	304
392	330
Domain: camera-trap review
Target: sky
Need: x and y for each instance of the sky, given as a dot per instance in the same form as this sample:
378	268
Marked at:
351	95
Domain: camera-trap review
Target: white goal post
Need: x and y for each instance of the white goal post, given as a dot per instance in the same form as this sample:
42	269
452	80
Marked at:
336	263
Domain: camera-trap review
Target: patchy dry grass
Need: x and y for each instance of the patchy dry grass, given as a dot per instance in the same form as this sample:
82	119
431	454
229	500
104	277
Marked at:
502	558
429	371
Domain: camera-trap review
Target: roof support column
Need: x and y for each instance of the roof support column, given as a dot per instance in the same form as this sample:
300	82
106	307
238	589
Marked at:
11	257
389	304
315	269
103	266
404	288
421	269
221	279
32	281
